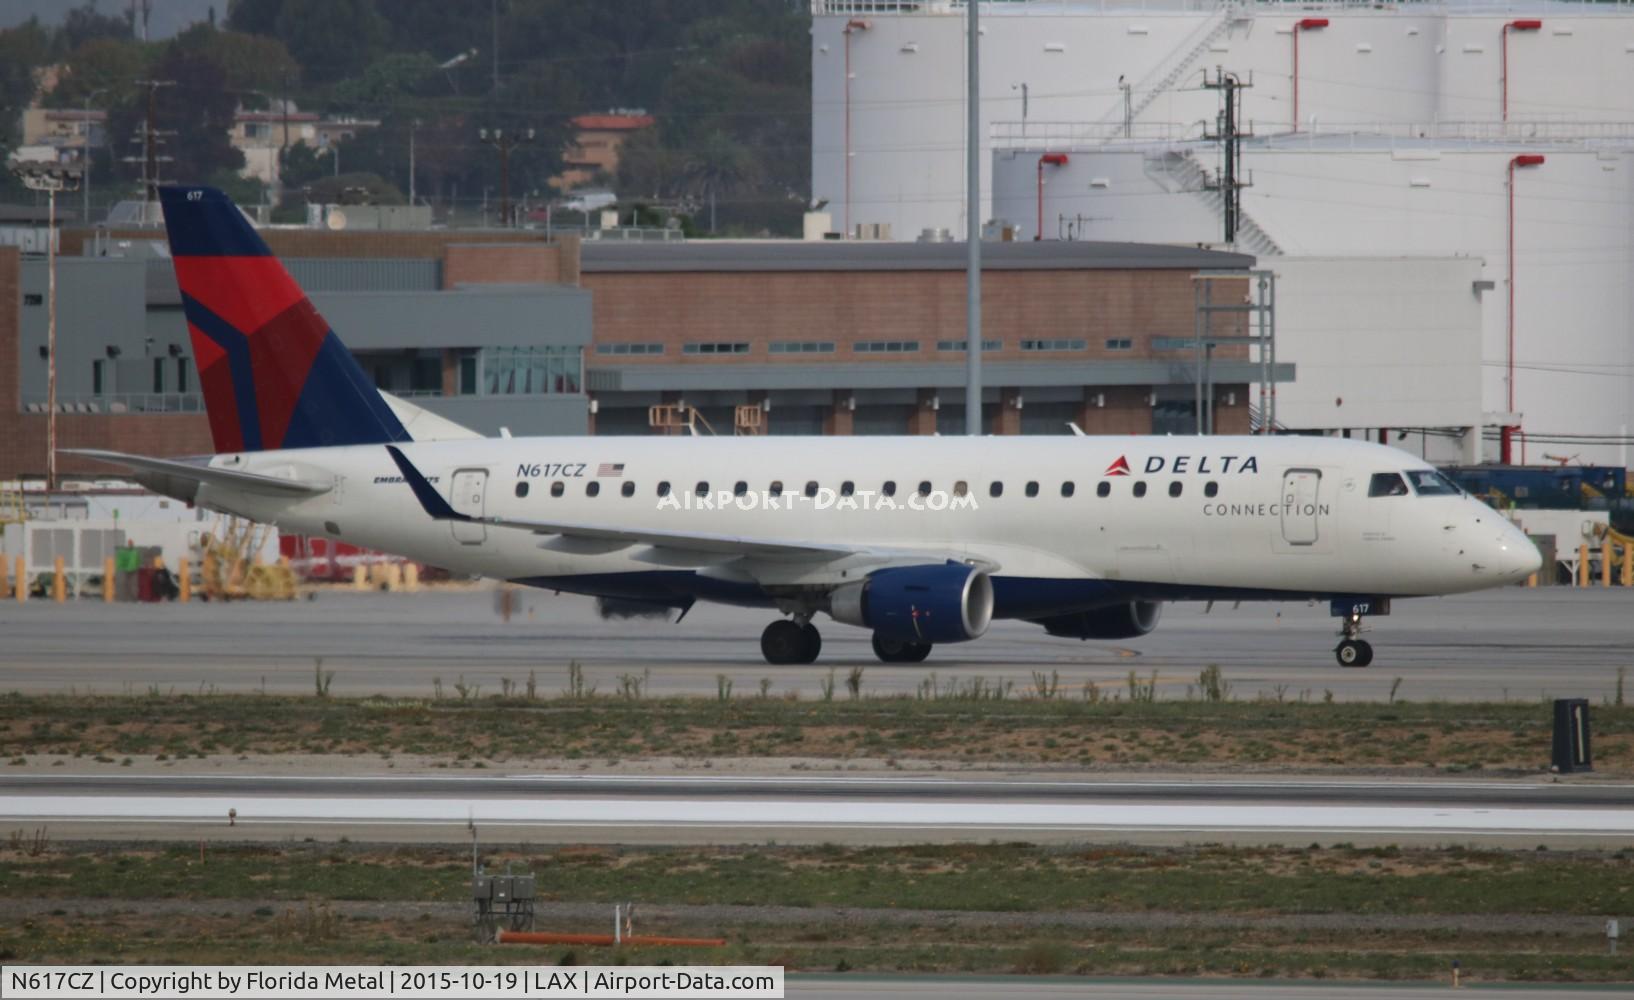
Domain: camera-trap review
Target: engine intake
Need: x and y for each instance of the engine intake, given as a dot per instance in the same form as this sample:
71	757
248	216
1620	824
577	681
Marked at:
1116	621
946	603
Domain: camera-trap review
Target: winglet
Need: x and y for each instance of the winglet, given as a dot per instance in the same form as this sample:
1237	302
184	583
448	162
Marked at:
424	492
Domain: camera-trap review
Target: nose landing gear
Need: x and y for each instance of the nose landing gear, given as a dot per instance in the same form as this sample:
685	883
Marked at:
1354	651
788	641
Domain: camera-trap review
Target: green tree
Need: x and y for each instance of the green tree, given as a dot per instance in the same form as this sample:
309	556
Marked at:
103	69
197	112
717	165
331	39
23	50
390	81
253	64
87	24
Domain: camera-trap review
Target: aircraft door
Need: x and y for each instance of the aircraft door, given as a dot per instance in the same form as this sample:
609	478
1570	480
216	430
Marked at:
1301	493
468	495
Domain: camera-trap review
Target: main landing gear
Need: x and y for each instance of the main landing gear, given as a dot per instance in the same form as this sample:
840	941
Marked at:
1353	651
788	641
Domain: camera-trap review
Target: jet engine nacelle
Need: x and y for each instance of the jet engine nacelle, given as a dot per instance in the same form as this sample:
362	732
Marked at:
946	603
1116	621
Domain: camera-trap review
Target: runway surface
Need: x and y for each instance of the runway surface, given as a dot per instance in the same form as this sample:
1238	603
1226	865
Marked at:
1512	643
914	988
737	810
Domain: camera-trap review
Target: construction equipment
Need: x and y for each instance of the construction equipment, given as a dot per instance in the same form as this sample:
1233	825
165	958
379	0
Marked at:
673	418
12	508
231	568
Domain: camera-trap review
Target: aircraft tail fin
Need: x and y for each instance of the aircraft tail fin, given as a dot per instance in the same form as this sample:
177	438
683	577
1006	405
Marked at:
274	374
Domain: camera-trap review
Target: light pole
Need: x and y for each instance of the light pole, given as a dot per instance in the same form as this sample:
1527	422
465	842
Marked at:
50	177
504	142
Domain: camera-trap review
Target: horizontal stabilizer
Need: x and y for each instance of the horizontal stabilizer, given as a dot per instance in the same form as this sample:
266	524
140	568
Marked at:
182	479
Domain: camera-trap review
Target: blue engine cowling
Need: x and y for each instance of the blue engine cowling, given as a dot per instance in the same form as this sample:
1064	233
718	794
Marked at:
947	603
1115	621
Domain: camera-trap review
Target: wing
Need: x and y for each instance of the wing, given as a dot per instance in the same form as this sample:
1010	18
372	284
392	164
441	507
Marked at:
183	479
681	543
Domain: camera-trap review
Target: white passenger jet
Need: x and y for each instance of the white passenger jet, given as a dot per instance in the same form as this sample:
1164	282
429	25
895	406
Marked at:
920	540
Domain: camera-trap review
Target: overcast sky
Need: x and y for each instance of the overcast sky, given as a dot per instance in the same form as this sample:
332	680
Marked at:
168	16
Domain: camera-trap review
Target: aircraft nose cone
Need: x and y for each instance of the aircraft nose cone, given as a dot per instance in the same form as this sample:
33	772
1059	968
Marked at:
1516	558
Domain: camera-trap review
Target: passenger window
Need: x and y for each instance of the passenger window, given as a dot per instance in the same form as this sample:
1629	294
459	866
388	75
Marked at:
740	488
847	488
889	489
1175	488
1387	484
995	489
521	489
663	489
1103	489
1140	489
1211	489
961	488
811	488
702	489
628	489
924	487
1032	488
592	488
1067	488
776	489
558	488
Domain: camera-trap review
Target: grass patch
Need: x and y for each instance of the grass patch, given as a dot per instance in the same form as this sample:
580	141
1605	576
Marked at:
980	878
290	911
1497	737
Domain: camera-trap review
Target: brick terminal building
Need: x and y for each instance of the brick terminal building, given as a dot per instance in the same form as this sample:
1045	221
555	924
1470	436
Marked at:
508	329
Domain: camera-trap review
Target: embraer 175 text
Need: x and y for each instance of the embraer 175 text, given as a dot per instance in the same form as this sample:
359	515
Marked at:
920	540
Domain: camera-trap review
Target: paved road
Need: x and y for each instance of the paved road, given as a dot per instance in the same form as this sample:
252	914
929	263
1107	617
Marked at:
915	988
1206	792
1510	643
858	810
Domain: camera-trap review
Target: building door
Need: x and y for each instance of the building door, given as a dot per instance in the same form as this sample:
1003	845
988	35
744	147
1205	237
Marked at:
469	497
1301	491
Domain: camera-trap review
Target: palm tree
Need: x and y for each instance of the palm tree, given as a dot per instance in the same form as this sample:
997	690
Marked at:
717	164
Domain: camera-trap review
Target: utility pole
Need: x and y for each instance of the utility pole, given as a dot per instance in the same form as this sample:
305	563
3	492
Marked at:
414	124
151	139
504	142
973	226
50	178
1230	135
85	187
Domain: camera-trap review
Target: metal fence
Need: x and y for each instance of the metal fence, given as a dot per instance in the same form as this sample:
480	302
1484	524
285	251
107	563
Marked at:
120	402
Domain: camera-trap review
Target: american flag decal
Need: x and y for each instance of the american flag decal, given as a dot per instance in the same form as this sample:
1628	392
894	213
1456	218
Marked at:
610	470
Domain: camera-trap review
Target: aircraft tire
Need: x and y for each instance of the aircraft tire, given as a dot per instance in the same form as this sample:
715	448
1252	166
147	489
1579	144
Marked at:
1353	653
783	642
811	643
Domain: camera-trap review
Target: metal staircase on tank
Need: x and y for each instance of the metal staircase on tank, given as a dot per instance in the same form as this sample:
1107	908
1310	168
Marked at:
1181	166
1166	74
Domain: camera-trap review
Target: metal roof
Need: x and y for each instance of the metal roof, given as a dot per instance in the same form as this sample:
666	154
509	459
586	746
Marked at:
840	255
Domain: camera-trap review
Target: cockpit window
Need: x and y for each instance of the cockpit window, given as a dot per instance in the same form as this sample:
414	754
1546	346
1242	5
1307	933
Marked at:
1387	484
1430	483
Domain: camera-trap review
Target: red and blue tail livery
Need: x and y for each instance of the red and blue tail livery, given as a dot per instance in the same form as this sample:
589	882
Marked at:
274	374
